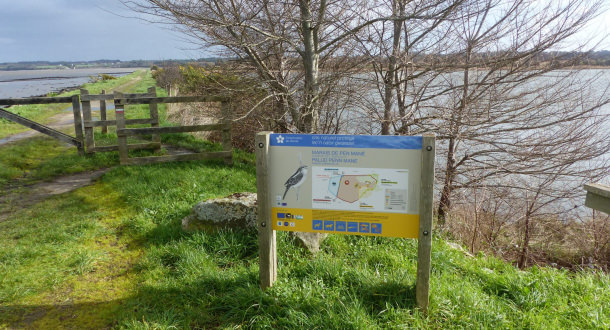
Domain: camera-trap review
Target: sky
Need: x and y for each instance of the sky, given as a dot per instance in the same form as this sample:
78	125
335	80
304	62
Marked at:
84	30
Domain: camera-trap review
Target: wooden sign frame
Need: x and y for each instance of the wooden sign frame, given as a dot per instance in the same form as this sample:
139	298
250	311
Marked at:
267	236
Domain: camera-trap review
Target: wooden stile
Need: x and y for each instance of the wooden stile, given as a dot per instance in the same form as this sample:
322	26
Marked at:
78	124
122	132
103	113
119	111
86	108
84	124
154	116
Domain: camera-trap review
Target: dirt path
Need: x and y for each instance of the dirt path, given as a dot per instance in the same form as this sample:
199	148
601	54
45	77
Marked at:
25	196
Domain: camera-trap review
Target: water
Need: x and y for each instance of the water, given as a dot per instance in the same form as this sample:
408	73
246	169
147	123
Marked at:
25	83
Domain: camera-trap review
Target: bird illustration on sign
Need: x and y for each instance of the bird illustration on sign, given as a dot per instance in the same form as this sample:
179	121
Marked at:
296	179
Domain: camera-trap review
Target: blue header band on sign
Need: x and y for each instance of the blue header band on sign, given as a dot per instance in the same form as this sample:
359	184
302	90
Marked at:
346	141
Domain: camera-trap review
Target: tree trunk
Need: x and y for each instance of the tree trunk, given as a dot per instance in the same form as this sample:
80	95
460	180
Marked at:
455	123
311	56
390	80
445	202
522	263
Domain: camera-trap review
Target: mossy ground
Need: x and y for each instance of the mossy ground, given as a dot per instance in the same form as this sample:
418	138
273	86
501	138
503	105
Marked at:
77	270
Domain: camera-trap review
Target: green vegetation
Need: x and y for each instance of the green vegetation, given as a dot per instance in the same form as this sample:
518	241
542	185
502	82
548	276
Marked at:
127	227
113	255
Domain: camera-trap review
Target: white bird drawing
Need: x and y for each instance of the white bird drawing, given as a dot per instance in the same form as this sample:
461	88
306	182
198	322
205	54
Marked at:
295	180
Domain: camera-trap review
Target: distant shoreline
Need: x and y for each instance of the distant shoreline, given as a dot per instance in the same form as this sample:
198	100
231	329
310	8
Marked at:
36	83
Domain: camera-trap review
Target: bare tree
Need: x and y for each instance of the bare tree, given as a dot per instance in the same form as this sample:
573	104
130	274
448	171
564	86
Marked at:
400	53
485	76
504	89
296	47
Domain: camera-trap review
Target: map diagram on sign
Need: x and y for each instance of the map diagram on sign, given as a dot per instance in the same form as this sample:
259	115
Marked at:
362	189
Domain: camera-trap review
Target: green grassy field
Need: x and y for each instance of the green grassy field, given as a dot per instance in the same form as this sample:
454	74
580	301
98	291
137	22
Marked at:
113	254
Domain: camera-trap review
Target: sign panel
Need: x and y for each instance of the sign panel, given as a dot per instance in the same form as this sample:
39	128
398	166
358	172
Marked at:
345	184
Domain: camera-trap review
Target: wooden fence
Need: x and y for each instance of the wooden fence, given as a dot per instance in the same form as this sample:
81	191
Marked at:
84	125
123	132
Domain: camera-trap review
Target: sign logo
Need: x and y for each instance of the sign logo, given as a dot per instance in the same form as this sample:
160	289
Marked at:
280	139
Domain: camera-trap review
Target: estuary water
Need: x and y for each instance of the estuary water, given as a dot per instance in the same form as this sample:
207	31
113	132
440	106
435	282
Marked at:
26	83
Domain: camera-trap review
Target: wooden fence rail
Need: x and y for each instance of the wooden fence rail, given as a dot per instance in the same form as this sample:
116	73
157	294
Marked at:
78	123
36	100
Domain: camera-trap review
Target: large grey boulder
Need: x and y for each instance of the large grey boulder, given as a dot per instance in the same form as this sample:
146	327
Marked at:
238	210
234	211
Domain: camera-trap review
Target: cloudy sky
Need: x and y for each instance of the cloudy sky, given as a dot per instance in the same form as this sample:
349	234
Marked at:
71	30
66	30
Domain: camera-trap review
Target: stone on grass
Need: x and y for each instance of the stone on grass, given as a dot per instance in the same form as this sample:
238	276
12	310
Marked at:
309	241
238	210
234	211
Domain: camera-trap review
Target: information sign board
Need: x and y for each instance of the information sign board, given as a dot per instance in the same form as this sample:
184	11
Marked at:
345	184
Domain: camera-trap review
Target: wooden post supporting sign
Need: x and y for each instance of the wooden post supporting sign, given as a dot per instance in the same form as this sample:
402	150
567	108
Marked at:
424	247
266	234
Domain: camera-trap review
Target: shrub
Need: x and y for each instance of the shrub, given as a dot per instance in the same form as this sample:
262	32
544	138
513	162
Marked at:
243	91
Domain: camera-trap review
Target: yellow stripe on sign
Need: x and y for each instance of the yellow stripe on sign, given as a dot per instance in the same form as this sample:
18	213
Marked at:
346	222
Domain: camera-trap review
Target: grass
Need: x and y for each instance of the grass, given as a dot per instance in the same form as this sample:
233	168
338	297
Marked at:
113	255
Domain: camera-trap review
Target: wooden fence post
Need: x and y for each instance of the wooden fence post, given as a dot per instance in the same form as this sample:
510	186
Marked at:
103	113
424	249
266	234
119	110
90	142
154	115
78	124
226	131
